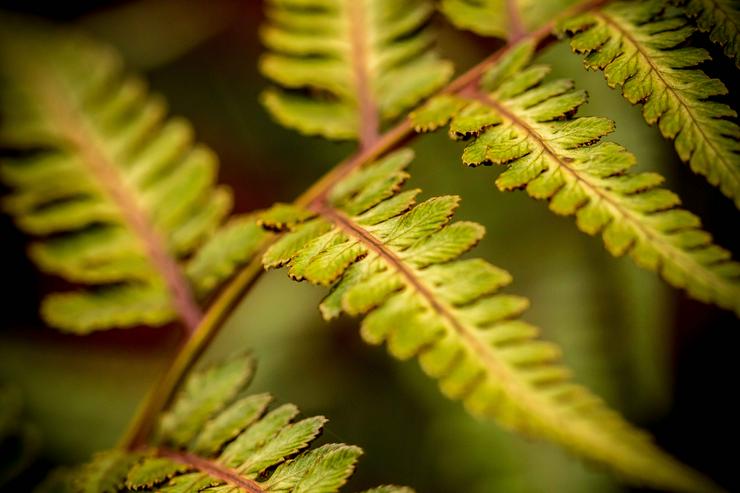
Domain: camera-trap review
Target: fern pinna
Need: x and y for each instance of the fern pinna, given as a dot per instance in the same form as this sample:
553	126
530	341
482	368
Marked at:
638	46
516	118
121	197
396	262
348	66
506	19
216	438
721	19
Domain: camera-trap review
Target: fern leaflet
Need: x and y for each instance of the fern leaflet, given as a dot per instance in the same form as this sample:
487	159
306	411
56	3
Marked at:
721	19
214	438
637	45
397	263
348	65
505	19
122	199
516	119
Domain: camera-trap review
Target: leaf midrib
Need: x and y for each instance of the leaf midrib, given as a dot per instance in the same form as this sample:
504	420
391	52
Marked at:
516	29
211	468
368	119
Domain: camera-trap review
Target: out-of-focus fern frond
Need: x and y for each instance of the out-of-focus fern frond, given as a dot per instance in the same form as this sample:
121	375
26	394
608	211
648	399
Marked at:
638	45
494	17
517	119
719	18
214	438
348	65
121	197
398	263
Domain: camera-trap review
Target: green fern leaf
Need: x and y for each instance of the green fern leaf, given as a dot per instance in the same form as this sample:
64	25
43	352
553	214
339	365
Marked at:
494	17
638	46
519	120
397	263
121	197
721	19
215	439
348	65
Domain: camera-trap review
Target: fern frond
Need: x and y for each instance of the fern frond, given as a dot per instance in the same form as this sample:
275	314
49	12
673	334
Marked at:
638	46
121	197
214	438
397	263
721	19
500	18
517	119
346	66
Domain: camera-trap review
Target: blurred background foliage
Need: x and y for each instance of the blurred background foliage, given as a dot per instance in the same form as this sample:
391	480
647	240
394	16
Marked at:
666	361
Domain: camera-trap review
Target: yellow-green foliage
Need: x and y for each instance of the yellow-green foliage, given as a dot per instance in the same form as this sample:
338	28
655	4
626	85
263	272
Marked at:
214	438
341	61
518	119
125	203
396	262
120	197
491	17
638	45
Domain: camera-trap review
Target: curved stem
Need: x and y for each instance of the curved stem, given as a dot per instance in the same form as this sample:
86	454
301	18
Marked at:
217	313
160	395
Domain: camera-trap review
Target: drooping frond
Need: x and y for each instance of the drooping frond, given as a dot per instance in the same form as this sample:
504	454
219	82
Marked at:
502	18
638	46
216	439
517	119
397	263
120	197
348	65
721	19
